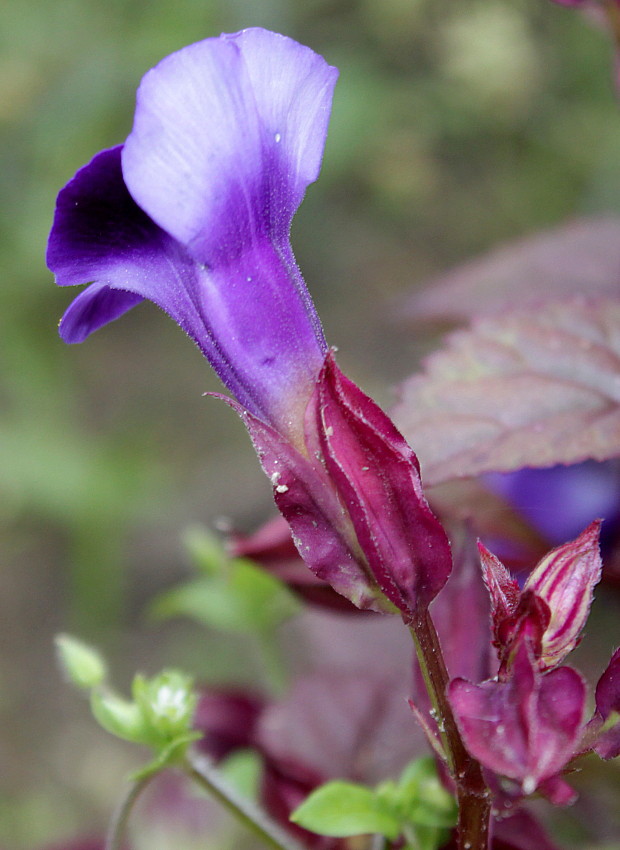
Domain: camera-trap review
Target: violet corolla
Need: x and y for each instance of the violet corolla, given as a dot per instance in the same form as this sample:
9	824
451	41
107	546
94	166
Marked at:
193	212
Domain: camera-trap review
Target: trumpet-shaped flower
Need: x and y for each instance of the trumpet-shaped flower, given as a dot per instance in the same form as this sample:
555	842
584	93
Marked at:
193	212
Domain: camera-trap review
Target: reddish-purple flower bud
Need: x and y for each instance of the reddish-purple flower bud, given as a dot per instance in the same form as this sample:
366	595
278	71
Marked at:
526	728
565	579
551	610
378	479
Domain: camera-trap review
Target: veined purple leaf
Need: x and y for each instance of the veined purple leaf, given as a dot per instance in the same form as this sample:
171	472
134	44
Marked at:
352	724
581	257
529	388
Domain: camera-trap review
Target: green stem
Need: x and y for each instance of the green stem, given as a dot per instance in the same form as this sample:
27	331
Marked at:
473	796
202	771
118	824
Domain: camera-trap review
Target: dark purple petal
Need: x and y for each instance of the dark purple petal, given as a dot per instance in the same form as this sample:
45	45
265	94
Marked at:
228	133
526	728
377	476
565	580
321	528
249	320
100	234
93	308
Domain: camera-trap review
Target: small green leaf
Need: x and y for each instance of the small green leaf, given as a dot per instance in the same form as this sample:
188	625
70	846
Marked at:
239	598
205	550
84	666
341	809
421	799
118	716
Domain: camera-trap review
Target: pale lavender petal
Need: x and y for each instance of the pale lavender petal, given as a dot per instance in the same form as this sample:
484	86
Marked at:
228	133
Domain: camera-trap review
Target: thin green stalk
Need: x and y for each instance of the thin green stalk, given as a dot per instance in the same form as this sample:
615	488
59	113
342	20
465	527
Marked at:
473	796
202	771
118	824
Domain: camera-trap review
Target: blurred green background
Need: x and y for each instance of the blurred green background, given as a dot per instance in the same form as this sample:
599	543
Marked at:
455	125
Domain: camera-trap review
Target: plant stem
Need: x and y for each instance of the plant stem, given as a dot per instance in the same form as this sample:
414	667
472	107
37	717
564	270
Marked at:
473	796
201	770
118	824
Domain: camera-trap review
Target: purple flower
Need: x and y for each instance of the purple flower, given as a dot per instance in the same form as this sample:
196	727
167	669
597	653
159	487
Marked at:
193	212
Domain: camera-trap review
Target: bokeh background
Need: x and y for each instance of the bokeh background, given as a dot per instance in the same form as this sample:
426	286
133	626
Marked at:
456	125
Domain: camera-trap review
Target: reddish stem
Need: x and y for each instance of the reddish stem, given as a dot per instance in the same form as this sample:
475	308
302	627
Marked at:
473	795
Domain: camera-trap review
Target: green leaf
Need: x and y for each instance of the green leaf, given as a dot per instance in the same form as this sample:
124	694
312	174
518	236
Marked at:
420	797
240	597
84	666
205	550
341	809
118	716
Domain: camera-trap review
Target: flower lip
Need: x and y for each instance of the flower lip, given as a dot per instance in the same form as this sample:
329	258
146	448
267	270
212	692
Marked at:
227	135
